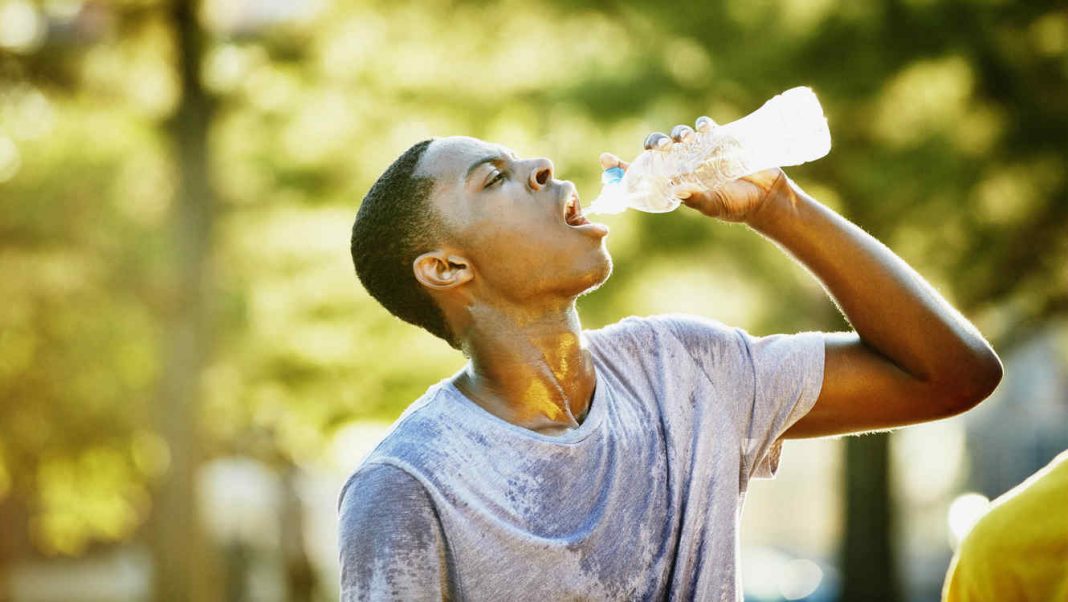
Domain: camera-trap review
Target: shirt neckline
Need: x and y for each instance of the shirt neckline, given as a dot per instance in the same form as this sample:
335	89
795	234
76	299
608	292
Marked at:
593	417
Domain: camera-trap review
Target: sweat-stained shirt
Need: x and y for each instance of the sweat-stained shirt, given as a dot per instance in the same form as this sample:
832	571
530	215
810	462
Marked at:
641	502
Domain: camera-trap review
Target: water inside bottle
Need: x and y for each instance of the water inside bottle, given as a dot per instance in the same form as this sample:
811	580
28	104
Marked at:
789	129
705	161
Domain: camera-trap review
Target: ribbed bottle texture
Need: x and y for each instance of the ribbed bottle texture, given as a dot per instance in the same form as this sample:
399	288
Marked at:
790	129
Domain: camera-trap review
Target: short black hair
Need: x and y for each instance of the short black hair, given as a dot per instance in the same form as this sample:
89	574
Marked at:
395	224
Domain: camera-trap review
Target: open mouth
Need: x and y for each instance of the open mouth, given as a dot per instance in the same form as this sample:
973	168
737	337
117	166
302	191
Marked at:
573	211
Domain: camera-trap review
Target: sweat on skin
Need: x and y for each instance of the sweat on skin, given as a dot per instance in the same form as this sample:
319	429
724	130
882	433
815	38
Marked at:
612	464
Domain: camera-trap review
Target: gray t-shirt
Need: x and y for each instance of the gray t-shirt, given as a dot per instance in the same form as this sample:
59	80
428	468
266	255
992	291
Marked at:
640	502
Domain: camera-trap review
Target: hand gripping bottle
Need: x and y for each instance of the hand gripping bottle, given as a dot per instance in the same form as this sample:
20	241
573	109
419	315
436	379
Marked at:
789	129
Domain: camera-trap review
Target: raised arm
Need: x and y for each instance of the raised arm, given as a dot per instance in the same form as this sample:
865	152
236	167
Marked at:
912	357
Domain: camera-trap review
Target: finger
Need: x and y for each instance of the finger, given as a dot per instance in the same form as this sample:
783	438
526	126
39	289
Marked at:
705	124
687	192
682	133
704	201
608	161
697	200
658	141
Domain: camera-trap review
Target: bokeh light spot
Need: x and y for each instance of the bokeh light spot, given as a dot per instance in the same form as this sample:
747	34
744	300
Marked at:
22	28
964	512
10	160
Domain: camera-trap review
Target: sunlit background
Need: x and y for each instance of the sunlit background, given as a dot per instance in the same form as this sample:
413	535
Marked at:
189	368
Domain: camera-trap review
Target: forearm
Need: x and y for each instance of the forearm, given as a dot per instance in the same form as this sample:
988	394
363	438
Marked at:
891	307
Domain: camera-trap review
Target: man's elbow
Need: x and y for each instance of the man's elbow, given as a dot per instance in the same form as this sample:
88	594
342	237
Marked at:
973	382
987	377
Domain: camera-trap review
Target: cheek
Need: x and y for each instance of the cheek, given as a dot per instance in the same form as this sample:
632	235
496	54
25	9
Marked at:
524	242
505	255
505	250
516	233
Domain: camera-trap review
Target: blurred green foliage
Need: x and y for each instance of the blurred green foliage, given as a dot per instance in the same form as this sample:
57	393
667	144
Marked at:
949	120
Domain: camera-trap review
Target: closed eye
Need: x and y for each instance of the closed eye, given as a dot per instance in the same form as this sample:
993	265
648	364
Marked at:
497	177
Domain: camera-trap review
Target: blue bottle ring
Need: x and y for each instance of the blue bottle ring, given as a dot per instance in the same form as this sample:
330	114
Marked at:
612	175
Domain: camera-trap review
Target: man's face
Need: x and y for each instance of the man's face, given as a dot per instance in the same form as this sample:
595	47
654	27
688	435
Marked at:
511	219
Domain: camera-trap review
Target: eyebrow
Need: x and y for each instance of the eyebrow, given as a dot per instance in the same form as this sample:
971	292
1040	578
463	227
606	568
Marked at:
499	157
494	158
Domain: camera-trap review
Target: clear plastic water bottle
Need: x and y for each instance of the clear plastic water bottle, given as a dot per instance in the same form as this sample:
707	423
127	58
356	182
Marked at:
790	129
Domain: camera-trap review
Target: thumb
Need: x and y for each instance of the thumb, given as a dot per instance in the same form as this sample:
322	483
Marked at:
608	161
690	194
697	198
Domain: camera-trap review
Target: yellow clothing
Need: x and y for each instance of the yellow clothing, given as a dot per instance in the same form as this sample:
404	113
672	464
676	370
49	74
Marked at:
1019	550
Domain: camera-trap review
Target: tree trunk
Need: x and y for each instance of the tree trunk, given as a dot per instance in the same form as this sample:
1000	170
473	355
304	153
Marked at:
868	559
183	570
12	529
300	574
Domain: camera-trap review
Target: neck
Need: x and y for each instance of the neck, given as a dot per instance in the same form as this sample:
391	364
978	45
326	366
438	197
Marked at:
529	367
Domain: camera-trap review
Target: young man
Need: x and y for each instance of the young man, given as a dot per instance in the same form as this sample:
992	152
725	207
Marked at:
611	464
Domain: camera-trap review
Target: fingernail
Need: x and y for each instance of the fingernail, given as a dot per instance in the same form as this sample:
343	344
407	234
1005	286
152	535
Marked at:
681	133
656	140
705	124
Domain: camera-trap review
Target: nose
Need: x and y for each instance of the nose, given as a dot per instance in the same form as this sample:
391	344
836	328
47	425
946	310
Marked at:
541	173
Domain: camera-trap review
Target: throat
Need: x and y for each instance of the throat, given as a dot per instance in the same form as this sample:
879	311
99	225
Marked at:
528	369
542	407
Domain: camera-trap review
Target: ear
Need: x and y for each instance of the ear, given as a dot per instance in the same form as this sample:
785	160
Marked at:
441	271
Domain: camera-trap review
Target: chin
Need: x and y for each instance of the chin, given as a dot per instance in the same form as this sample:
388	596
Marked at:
598	274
